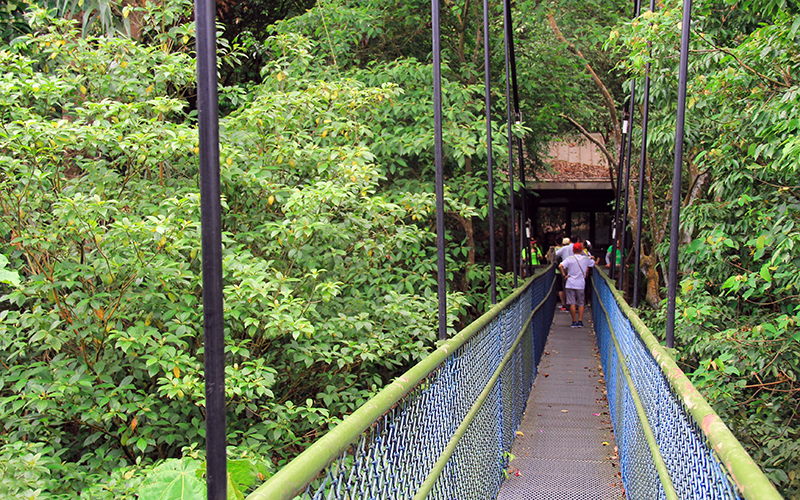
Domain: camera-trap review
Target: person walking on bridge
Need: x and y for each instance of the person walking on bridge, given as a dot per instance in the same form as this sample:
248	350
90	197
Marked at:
575	268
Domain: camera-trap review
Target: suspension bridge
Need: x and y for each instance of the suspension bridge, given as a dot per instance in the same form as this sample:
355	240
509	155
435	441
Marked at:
517	405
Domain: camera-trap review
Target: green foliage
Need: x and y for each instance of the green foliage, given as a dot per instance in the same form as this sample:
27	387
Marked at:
328	254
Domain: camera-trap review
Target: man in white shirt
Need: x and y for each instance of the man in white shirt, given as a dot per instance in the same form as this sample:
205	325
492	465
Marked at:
575	268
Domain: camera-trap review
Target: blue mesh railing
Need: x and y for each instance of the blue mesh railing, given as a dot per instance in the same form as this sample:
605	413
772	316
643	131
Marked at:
671	443
443	429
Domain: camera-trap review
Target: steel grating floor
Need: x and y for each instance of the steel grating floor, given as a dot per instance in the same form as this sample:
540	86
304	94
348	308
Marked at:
565	448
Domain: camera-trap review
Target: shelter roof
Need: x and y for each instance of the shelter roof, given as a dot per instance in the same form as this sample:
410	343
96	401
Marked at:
574	164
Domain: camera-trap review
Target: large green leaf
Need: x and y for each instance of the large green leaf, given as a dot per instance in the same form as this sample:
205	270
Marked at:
174	480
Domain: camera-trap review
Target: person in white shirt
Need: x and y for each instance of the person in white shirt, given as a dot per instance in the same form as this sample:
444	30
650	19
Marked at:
575	268
558	256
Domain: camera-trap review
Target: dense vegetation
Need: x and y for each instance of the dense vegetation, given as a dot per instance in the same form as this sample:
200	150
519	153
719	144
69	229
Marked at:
327	166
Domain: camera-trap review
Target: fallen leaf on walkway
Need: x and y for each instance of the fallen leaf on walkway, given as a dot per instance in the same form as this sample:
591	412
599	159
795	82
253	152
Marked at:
564	411
520	433
596	414
518	473
605	443
546	375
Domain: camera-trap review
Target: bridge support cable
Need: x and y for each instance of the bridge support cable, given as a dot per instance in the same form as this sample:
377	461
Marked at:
513	215
488	98
642	162
674	232
631	114
210	213
439	161
615	227
512	63
626	180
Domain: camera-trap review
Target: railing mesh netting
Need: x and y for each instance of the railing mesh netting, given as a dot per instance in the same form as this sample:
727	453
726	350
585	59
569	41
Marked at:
694	469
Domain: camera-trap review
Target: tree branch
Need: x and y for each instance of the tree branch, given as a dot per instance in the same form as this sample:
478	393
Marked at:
609	100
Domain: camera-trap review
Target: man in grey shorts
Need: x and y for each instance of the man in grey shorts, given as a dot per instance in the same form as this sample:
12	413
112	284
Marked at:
574	269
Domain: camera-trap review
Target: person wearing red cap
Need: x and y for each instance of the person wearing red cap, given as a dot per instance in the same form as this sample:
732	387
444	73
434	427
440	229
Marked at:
575	268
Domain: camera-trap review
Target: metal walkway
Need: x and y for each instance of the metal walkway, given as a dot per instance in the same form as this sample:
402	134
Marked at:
565	447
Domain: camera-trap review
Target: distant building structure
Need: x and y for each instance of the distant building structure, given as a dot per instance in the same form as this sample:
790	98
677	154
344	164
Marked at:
574	196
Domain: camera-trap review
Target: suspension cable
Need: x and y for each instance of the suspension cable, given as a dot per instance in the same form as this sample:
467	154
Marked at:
615	226
642	161
211	226
513	216
438	156
489	167
676	174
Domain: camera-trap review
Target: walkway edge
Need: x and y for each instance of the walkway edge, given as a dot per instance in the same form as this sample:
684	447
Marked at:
747	475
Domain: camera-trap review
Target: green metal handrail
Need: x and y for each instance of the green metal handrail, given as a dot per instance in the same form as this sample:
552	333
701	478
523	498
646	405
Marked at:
746	474
297	474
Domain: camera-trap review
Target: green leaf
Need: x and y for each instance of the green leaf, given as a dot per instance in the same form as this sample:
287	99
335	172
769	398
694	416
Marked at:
242	472
6	276
765	273
173	480
729	282
233	490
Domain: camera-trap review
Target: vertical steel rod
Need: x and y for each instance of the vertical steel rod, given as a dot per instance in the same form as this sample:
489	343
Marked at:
631	113
488	98
615	226
624	212
676	173
512	59
438	156
513	215
211	217
642	161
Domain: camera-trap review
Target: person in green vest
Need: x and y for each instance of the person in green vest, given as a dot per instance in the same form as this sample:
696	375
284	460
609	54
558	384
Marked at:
533	253
619	255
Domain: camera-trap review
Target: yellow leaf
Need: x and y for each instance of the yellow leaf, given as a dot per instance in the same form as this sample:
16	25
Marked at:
125	12
162	241
324	133
134	423
148	319
176	371
185	39
83	89
100	313
229	161
149	89
196	150
124	64
280	76
520	433
53	55
271	200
